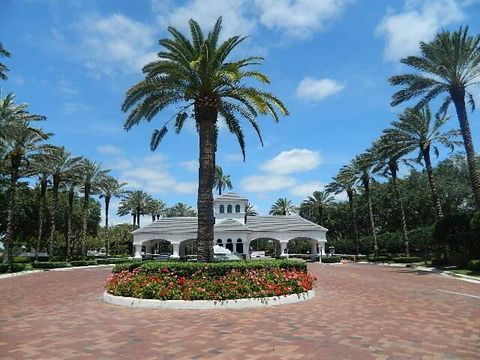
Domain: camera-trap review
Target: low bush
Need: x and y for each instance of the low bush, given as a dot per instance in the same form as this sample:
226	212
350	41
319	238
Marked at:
439	261
49	265
204	284
83	262
16	267
379	258
21	260
210	269
474	265
3	268
407	259
114	261
331	259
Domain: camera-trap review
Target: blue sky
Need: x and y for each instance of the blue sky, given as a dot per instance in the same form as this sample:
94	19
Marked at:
328	60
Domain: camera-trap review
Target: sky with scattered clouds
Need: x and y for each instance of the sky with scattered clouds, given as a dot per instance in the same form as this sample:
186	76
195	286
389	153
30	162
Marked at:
329	61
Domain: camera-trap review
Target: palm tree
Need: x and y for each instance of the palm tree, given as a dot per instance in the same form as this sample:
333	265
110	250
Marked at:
73	184
156	208
135	203
344	181
181	210
92	174
3	67
196	74
387	153
416	130
221	181
449	64
282	207
361	169
109	187
250	210
315	205
19	142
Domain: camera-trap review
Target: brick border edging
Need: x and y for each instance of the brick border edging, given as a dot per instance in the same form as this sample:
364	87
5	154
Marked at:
207	304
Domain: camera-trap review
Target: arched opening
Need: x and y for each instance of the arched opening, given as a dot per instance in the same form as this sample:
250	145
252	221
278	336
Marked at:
239	246
264	247
222	209
219	242
304	248
229	245
188	249
229	209
237	208
157	249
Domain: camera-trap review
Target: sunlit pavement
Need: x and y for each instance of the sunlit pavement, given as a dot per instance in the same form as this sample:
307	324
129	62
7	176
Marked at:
360	312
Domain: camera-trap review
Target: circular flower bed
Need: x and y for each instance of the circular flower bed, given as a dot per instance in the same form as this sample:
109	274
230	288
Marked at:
168	283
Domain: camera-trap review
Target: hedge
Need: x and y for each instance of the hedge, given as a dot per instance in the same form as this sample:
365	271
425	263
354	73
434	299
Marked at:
331	259
380	258
15	267
407	259
49	265
21	260
474	265
83	262
114	261
215	269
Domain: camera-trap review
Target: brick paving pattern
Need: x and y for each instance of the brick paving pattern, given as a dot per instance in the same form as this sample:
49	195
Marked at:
360	312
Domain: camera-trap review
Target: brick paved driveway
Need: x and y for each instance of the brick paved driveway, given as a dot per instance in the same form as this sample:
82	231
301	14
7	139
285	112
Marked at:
360	312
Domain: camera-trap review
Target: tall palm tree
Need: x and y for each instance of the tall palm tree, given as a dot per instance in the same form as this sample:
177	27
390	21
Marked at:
156	208
449	64
282	206
3	68
361	169
59	163
315	205
196	74
221	181
19	141
181	210
135	203
250	210
92	174
72	184
345	182
387	153
416	130
109	187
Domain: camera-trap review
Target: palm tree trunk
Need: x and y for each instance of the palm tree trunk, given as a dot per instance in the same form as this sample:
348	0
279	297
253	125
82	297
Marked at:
206	117
41	208
220	185
53	216
433	186
85	219
459	101
68	241
14	175
134	217
153	217
370	214
403	219
353	212
138	218
107	206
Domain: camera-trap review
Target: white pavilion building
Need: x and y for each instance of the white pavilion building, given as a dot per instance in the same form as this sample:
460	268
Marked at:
233	230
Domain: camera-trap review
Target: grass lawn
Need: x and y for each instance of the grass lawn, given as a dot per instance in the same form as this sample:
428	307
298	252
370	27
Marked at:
466	272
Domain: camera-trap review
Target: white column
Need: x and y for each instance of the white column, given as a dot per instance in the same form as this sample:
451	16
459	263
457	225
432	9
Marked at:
283	247
322	251
246	249
176	249
138	251
313	249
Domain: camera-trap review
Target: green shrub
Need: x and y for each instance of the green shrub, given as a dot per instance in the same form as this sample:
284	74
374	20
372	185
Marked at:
407	259
331	259
215	269
15	267
49	265
3	268
21	260
474	265
379	258
114	261
83	262
439	261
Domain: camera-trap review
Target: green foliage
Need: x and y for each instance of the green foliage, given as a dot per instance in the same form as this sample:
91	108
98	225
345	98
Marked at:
379	258
16	267
113	261
3	268
474	265
331	259
50	265
211	269
21	260
406	260
83	262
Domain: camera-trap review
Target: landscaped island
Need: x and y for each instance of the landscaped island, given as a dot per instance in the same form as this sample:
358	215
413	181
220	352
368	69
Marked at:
174	280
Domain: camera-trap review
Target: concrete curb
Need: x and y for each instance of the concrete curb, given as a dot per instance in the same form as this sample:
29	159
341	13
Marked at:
237	304
28	272
450	274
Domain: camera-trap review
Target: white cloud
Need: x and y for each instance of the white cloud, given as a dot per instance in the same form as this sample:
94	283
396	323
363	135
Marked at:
419	21
291	161
317	89
190	165
74	107
108	149
230	158
236	21
306	189
187	187
299	18
115	43
266	183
